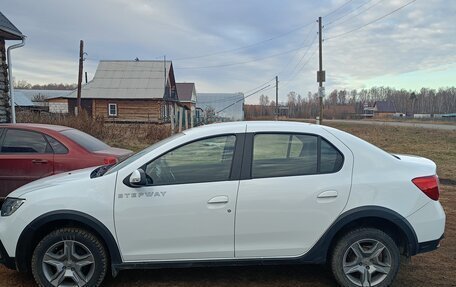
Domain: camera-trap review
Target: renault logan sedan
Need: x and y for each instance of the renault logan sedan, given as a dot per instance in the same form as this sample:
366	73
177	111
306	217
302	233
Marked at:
229	194
32	151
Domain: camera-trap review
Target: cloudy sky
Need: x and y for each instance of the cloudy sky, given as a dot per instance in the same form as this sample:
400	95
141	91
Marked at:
238	45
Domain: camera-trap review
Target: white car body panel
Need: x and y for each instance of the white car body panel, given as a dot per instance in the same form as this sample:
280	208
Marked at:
285	216
74	191
176	222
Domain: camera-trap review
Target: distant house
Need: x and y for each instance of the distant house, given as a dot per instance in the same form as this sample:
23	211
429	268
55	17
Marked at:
128	91
7	32
216	107
381	109
187	97
40	99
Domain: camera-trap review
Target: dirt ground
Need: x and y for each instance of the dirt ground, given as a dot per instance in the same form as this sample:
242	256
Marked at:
431	269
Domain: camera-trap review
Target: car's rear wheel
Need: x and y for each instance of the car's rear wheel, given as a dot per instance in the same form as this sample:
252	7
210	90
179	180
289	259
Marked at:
365	257
69	257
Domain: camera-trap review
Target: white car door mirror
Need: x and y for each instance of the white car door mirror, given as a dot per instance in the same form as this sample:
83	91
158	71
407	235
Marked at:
138	178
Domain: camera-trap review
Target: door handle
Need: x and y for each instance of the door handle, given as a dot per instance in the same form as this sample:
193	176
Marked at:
328	194
218	199
39	161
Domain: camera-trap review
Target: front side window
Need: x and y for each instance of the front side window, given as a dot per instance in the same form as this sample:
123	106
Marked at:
112	110
21	141
206	160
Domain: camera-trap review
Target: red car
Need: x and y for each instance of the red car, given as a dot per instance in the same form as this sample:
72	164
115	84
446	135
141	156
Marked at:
31	151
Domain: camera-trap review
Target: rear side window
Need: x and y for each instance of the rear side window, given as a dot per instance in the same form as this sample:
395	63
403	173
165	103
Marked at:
21	141
331	159
277	155
57	147
88	142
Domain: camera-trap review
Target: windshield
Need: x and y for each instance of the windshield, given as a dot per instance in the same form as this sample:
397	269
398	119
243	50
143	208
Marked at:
88	142
137	155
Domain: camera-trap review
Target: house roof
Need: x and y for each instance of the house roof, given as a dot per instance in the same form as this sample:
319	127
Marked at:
7	29
127	80
185	91
384	107
21	100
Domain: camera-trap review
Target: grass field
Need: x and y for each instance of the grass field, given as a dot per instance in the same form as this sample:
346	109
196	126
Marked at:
432	269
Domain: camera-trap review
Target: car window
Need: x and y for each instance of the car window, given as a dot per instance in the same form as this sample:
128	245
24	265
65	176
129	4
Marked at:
88	142
21	141
205	160
331	159
284	155
57	146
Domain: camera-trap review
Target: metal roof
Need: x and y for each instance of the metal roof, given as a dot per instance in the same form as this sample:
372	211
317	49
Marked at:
127	80
384	107
186	91
21	100
7	29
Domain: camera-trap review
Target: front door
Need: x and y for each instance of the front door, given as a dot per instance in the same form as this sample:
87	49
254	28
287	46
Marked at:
187	209
299	184
24	157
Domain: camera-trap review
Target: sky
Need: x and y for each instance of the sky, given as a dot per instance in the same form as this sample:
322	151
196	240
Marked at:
240	46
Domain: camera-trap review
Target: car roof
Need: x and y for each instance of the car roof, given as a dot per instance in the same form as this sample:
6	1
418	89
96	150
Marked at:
244	126
36	127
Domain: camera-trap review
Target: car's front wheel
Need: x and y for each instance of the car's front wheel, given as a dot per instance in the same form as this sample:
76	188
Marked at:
69	257
365	257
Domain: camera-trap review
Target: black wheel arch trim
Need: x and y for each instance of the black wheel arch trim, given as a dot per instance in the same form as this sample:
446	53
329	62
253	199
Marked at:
319	252
24	246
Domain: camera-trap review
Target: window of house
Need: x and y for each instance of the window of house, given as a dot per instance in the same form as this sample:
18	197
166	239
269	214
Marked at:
293	154
21	141
112	110
205	160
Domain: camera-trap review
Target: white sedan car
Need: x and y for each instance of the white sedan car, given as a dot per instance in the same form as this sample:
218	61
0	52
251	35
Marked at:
238	193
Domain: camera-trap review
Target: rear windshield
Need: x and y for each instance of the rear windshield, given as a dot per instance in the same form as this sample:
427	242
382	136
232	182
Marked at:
86	141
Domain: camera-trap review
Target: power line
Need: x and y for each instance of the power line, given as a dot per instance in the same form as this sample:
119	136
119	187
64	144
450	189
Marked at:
361	12
247	46
262	41
371	22
345	15
240	63
340	7
297	52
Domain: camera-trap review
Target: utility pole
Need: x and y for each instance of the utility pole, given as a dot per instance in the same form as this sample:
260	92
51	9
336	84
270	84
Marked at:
320	73
81	66
277	98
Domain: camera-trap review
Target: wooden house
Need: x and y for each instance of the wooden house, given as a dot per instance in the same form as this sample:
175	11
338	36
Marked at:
187	97
7	32
128	91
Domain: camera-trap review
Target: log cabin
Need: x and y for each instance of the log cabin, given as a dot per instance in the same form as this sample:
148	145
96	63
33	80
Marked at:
128	91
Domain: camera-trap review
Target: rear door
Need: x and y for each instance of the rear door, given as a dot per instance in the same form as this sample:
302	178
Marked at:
24	156
297	186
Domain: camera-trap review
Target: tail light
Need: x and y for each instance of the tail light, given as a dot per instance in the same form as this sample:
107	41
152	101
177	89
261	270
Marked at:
429	185
110	160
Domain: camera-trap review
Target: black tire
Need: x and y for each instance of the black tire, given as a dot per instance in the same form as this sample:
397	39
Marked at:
85	248
363	241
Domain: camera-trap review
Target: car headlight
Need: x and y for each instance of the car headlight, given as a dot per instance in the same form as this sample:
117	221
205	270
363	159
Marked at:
11	205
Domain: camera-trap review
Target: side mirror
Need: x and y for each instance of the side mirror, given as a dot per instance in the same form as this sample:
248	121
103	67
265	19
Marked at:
138	178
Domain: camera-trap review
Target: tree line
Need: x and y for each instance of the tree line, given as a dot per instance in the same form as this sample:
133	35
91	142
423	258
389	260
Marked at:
349	103
24	85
